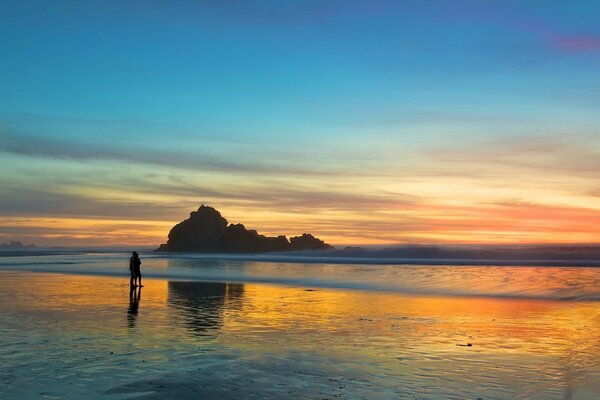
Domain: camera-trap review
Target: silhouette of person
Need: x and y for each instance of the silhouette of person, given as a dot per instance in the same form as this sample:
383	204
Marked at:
134	268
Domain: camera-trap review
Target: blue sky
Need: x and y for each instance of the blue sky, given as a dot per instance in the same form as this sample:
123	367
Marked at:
113	108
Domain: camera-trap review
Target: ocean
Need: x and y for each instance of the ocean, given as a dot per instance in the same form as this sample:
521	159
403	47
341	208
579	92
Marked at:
297	326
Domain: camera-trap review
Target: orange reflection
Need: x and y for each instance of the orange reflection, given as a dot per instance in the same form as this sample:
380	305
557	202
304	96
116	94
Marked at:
73	293
401	335
418	326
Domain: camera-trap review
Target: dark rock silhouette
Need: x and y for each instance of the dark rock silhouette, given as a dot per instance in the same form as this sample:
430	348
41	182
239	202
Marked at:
238	239
353	248
15	245
202	231
307	242
206	231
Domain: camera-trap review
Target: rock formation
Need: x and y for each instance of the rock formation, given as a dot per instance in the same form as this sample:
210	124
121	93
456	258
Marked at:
206	231
16	245
201	232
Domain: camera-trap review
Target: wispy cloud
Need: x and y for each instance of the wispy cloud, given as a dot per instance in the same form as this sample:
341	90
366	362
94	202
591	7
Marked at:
556	156
576	43
449	192
199	158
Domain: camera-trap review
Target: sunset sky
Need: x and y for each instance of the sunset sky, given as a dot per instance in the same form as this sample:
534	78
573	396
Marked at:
362	122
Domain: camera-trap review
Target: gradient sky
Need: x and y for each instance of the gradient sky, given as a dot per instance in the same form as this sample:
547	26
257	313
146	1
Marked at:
359	121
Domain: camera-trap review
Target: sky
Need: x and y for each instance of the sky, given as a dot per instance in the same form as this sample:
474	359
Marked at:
362	122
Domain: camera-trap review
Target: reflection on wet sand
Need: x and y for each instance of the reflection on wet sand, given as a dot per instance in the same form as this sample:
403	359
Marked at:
201	304
135	295
292	342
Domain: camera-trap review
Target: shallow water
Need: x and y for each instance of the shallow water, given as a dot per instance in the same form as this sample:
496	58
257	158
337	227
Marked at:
549	282
77	336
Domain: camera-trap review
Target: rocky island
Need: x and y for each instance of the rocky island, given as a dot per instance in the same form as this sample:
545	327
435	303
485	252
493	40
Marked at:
206	231
15	245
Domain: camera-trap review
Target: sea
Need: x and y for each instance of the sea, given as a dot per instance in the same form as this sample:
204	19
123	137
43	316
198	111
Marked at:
449	323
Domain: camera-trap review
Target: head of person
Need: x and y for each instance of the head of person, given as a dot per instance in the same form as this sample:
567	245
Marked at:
134	253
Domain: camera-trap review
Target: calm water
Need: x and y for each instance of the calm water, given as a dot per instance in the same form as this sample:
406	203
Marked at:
553	282
289	330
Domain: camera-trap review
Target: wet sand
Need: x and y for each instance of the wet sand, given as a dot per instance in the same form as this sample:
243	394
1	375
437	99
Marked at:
76	337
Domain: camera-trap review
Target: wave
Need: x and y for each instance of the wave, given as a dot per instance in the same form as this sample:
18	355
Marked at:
374	259
471	255
559	283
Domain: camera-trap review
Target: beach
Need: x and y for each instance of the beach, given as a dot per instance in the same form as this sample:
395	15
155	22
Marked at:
323	200
70	328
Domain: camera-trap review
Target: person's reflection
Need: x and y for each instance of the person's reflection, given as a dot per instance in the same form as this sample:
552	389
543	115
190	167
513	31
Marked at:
135	295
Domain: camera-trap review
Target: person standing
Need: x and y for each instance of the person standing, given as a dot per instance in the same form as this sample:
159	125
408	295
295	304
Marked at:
134	268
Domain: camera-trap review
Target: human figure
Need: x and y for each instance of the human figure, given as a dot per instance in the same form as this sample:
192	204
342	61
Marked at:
131	269
134	268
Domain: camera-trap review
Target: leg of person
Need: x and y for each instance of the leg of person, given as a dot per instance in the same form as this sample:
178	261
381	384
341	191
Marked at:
139	274
132	279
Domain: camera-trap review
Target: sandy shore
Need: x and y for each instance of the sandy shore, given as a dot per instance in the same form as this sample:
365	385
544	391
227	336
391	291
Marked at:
73	336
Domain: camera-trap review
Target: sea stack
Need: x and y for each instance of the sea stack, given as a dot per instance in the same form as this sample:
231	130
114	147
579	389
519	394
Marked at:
206	231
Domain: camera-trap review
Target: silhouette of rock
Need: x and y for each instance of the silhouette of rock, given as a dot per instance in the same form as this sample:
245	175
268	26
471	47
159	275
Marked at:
16	245
353	248
207	231
308	242
202	231
238	239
